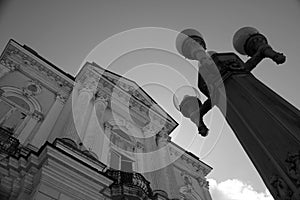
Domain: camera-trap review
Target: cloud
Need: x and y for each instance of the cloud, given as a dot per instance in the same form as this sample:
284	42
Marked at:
233	189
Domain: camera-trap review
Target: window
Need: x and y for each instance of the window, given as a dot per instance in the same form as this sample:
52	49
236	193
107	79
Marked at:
120	162
126	164
115	160
13	112
122	140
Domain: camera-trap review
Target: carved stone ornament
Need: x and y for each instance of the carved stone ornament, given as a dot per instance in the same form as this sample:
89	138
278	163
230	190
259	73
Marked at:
61	98
293	167
14	58
151	129
282	190
187	191
203	183
102	96
32	88
89	84
139	145
107	126
124	91
162	138
37	115
8	63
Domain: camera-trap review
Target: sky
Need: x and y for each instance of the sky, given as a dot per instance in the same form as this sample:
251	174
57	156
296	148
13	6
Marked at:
69	32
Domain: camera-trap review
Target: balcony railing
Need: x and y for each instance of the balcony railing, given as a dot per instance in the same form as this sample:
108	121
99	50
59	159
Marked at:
131	185
8	144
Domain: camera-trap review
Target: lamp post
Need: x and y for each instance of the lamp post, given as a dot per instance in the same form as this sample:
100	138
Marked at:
266	125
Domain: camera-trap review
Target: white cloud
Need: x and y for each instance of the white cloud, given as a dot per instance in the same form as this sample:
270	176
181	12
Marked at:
233	189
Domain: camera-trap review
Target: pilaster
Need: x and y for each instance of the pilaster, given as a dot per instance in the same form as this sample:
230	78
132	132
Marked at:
44	130
94	137
36	117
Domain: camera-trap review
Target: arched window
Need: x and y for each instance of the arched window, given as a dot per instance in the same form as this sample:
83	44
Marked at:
16	109
13	112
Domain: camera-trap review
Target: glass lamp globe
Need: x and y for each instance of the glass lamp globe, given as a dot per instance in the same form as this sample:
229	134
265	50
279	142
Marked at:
186	95
183	36
240	38
187	100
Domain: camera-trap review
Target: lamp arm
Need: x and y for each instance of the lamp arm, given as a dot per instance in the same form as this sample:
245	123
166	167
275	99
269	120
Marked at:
252	62
264	51
268	52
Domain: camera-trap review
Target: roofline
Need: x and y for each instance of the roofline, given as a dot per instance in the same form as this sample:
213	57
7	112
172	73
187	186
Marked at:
170	117
190	154
29	49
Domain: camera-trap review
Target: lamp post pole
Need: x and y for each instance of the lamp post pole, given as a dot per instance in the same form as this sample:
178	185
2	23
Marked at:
266	125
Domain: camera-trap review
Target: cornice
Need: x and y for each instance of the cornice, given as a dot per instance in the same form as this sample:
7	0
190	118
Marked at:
15	57
197	164
125	91
51	158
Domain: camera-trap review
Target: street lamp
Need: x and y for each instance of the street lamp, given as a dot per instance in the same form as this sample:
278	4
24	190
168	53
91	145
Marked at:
191	45
266	125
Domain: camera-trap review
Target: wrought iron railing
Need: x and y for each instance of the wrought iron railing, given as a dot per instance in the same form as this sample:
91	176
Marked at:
8	144
132	181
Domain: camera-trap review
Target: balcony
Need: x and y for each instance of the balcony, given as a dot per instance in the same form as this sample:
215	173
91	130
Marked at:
8	144
128	185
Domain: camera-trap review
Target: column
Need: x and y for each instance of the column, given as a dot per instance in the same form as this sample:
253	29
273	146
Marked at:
43	132
140	162
94	136
36	116
83	103
106	143
162	140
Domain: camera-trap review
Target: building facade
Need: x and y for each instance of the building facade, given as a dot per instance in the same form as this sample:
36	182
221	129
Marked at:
93	136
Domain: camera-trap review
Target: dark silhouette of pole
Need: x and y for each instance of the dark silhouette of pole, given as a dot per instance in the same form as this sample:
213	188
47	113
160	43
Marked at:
266	125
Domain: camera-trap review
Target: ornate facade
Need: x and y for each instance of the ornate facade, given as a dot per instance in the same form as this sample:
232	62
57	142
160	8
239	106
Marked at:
94	136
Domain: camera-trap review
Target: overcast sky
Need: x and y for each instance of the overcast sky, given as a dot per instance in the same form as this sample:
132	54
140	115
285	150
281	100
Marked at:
66	31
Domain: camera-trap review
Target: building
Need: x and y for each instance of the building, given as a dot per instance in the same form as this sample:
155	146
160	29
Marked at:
87	137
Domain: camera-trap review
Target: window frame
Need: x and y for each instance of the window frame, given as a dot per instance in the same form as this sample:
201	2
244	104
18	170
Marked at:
14	106
33	104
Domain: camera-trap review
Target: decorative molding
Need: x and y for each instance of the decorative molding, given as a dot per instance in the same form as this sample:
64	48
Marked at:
293	167
20	177
280	187
32	88
13	91
139	146
162	138
37	115
102	96
197	165
89	82
9	64
16	58
125	91
107	126
61	98
203	182
119	122
3	70
151	129
187	191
